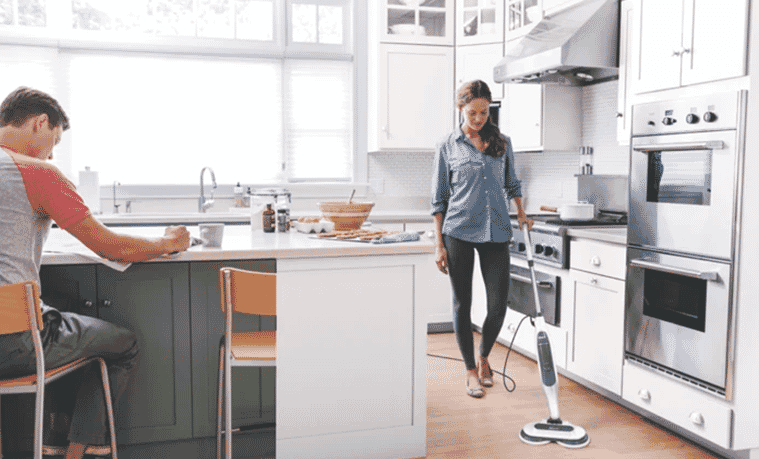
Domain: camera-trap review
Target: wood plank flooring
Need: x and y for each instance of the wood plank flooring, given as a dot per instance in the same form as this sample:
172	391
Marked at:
459	426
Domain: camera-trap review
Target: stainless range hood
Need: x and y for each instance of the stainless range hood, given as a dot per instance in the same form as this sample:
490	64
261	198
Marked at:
576	47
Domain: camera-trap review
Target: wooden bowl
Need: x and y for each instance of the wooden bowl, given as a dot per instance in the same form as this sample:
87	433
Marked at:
346	215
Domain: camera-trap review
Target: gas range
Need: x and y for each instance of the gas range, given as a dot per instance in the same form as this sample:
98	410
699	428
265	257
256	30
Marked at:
549	236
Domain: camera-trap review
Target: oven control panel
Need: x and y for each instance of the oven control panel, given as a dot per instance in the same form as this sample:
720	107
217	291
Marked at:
702	113
546	247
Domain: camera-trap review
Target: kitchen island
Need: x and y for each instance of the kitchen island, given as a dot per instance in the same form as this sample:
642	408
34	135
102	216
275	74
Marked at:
351	325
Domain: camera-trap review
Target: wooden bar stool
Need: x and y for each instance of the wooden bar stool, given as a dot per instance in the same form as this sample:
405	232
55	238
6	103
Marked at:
19	312
249	293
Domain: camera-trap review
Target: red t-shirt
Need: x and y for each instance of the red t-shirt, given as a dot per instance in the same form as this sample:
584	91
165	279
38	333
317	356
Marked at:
50	193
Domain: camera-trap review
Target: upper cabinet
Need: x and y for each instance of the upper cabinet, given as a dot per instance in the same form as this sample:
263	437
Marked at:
414	99
476	63
627	56
709	43
521	16
417	21
479	21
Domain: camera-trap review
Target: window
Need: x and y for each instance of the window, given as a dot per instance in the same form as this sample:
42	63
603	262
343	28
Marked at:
158	89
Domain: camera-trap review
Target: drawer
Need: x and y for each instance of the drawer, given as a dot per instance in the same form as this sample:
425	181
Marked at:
598	257
690	408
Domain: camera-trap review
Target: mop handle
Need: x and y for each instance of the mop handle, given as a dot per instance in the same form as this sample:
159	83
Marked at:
531	265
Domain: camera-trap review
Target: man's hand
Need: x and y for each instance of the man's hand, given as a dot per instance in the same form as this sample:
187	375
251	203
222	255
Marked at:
178	238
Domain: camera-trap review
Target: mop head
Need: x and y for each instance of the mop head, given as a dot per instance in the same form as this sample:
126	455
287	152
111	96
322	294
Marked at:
561	432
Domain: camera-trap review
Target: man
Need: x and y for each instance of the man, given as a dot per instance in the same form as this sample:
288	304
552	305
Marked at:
33	193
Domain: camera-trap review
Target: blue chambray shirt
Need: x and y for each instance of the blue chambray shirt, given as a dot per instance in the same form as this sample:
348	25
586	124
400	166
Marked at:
473	190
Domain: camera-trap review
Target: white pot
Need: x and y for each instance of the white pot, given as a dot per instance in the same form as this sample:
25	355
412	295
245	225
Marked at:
577	211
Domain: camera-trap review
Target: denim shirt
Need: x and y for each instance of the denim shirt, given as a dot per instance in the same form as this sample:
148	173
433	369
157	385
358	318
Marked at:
472	190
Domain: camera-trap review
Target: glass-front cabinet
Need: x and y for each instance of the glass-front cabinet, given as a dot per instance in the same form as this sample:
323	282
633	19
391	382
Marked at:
479	21
418	21
521	16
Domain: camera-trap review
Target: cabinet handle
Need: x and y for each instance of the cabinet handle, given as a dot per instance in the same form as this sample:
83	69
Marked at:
684	51
595	261
106	303
644	395
675	53
594	281
696	418
87	304
511	327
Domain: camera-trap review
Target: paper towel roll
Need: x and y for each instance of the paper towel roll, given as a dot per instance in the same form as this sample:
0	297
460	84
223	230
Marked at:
89	189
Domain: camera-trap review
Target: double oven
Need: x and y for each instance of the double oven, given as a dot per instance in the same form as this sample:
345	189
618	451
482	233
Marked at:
685	182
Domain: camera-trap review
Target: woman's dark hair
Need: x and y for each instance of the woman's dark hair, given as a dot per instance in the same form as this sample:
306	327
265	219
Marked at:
24	103
489	133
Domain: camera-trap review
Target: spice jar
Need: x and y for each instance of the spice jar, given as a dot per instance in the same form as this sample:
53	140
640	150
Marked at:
269	219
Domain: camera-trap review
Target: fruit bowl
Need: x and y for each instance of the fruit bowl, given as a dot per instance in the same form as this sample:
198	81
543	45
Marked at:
346	215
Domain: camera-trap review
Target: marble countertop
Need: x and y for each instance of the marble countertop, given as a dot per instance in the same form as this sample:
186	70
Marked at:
239	243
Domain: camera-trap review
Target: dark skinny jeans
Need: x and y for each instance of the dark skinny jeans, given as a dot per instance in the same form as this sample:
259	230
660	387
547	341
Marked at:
495	264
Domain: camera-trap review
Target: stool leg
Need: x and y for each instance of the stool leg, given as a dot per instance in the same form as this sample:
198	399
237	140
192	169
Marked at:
228	404
220	401
39	409
108	406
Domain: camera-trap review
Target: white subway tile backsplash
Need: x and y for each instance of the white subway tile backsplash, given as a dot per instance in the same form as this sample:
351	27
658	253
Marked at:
547	177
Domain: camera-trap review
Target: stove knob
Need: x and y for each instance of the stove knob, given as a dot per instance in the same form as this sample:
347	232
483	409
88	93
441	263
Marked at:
512	244
710	117
691	118
549	251
521	247
538	248
668	121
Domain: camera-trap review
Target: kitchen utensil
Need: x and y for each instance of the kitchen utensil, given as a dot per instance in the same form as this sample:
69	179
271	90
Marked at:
350	200
576	211
346	215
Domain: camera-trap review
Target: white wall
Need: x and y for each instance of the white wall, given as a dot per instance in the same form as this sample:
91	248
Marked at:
404	178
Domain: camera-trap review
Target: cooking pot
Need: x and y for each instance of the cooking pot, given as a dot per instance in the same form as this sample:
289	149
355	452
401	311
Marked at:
577	211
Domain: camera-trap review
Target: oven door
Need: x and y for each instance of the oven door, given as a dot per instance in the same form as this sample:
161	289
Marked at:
678	314
682	192
522	298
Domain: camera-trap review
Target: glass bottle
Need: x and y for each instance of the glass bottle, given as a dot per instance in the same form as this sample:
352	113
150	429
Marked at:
269	219
283	214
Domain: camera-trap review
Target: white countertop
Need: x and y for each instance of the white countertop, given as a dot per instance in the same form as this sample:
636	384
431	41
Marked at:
242	216
239	243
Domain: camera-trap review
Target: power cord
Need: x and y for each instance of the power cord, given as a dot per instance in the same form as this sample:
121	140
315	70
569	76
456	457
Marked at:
505	361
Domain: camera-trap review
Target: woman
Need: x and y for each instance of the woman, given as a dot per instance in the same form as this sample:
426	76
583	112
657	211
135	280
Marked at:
472	183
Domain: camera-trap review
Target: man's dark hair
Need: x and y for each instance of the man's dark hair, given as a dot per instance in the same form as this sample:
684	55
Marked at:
24	103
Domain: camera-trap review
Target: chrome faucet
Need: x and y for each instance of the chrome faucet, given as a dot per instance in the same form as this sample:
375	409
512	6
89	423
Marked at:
204	203
115	206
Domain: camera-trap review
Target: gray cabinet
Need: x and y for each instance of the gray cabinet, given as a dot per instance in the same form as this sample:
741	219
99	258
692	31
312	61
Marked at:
253	389
152	299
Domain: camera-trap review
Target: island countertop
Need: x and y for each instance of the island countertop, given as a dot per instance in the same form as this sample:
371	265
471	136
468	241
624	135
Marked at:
239	243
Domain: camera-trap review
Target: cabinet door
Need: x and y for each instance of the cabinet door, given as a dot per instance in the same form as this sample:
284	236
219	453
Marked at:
71	288
479	21
628	55
714	40
253	389
658	29
523	116
597	350
476	62
152	299
417	22
416	96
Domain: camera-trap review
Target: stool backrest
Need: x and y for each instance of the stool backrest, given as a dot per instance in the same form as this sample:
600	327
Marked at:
249	292
20	307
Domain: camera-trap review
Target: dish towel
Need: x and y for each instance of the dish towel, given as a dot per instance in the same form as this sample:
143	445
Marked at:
399	237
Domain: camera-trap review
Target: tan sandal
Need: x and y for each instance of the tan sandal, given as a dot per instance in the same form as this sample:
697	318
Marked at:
486	376
476	392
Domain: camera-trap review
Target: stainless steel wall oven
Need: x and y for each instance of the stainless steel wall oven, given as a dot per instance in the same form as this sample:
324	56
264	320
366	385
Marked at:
685	170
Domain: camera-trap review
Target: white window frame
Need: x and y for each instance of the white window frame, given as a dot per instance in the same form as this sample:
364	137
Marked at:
57	36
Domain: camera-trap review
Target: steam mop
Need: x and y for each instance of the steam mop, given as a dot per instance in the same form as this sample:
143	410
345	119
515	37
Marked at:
553	429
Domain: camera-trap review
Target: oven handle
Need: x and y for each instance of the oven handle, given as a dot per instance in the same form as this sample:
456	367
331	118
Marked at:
527	280
685	146
649	264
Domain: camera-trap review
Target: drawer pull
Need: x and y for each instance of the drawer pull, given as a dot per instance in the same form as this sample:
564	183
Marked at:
644	395
511	327
696	418
594	281
595	261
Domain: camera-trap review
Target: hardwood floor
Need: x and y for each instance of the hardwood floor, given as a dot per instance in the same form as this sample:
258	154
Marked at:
459	426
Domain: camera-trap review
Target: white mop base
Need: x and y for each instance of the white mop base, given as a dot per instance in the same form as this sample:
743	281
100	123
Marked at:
564	433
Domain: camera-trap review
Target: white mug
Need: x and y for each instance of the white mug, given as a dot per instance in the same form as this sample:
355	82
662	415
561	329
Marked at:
211	234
